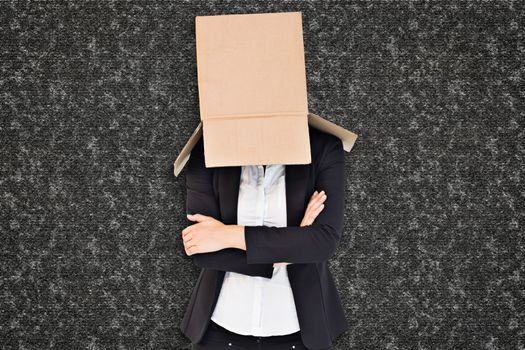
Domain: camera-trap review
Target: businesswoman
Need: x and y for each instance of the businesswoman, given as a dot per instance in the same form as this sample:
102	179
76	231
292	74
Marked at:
262	236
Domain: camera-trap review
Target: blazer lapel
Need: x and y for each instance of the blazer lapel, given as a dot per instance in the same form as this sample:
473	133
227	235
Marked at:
228	182
296	178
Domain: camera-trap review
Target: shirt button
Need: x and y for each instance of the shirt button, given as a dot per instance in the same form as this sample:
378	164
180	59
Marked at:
293	346
229	344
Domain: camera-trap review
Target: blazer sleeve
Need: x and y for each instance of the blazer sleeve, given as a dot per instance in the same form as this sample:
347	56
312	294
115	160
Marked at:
200	198
313	243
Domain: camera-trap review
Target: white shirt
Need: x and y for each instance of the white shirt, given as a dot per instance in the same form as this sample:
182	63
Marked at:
254	305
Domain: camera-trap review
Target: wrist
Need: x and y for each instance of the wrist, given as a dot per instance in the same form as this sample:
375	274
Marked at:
235	237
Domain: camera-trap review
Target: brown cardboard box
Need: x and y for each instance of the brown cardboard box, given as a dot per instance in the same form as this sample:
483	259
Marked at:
252	92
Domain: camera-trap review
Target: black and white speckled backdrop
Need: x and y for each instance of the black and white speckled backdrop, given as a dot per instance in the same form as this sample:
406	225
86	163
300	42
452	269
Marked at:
98	98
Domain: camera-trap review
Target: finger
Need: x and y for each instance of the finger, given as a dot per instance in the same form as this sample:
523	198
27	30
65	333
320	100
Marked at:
318	202
321	198
310	209
314	206
307	214
312	197
321	194
186	249
192	249
188	230
308	218
315	212
318	211
316	199
187	239
197	217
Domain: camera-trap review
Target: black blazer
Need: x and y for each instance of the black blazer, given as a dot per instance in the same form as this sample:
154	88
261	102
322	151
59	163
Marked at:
214	192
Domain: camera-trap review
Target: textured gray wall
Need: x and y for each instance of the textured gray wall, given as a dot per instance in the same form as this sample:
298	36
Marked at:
98	98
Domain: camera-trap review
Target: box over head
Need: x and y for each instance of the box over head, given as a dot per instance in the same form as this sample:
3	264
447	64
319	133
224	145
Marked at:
252	92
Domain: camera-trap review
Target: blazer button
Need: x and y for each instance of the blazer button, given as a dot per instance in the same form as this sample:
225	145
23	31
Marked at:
293	346
229	344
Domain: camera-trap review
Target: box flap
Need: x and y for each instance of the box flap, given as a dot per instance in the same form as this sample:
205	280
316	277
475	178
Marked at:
256	140
322	124
184	155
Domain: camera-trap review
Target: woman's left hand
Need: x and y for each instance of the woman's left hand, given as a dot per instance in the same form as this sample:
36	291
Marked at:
207	235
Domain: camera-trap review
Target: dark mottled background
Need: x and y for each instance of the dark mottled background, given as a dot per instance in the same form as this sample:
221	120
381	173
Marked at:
98	98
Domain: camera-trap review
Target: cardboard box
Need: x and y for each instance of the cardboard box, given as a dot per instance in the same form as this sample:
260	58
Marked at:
252	92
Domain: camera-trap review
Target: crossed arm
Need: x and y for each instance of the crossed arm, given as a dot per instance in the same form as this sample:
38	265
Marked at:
253	250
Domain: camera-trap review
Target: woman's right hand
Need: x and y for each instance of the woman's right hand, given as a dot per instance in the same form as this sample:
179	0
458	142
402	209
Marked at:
315	206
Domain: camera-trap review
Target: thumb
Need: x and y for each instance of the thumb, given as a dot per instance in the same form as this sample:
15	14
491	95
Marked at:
197	217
